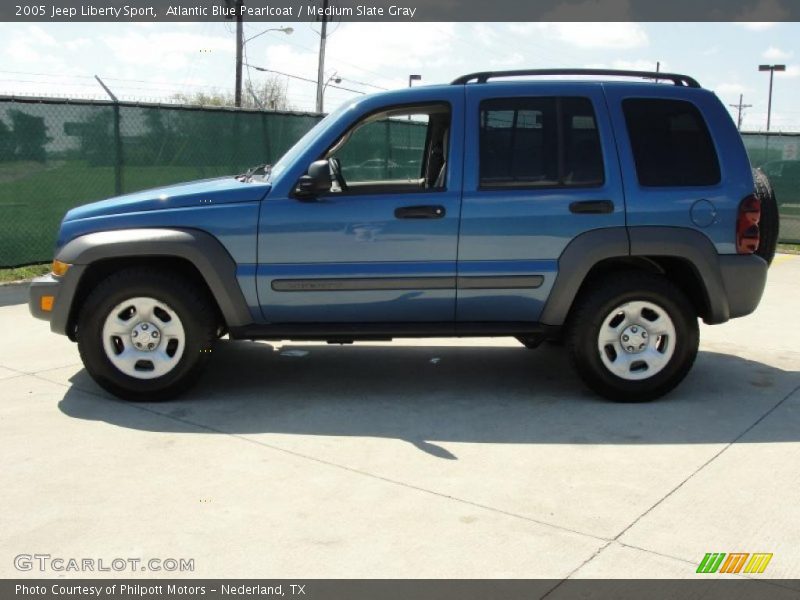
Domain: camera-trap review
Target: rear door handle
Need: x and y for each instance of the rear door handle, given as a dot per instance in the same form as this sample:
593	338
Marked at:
420	212
592	207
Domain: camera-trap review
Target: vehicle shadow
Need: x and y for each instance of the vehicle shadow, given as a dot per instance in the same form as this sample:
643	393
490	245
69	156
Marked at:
13	294
424	394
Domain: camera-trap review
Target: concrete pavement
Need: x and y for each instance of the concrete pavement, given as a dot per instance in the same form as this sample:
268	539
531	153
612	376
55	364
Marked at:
433	458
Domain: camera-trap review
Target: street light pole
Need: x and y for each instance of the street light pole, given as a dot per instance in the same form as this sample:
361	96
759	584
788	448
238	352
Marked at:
334	78
323	34
240	42
771	69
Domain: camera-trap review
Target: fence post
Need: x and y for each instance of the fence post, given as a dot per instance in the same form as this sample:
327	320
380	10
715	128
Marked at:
117	139
265	141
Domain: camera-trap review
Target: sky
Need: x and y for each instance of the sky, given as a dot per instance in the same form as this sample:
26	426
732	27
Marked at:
152	62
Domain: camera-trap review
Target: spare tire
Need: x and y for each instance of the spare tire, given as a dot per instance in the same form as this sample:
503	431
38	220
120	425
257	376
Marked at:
770	220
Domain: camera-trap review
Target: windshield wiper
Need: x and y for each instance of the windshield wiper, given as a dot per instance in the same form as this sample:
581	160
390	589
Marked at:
257	171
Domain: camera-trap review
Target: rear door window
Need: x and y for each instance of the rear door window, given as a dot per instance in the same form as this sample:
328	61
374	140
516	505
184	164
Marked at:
671	144
539	142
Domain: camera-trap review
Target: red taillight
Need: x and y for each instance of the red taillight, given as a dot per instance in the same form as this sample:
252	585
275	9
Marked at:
747	232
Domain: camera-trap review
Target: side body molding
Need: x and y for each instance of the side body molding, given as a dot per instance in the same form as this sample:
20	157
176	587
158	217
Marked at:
578	258
203	250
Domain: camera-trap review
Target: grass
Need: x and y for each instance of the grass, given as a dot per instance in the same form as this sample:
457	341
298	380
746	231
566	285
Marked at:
23	273
789	248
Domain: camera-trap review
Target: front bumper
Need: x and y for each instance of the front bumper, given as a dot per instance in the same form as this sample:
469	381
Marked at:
63	291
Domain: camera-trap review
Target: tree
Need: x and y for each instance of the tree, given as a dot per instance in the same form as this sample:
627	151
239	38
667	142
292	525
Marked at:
268	94
30	133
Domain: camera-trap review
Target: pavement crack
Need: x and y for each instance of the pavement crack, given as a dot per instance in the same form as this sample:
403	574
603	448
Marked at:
589	559
706	463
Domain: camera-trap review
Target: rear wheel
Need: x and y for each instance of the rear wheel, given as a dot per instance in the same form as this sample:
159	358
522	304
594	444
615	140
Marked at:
144	334
769	225
633	337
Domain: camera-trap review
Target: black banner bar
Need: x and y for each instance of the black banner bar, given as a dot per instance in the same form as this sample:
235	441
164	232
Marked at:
704	588
400	10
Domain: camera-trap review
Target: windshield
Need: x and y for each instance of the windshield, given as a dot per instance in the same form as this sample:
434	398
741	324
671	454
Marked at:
304	142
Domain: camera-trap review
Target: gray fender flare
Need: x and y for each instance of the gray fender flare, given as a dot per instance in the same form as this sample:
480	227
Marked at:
203	250
698	251
592	247
574	264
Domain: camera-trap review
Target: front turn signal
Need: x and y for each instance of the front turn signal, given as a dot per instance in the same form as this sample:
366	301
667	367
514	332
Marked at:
46	303
60	268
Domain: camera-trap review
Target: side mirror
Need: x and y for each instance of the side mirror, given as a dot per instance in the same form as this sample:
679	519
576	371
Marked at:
316	182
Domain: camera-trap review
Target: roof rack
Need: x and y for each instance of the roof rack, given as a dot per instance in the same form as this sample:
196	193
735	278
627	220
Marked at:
484	76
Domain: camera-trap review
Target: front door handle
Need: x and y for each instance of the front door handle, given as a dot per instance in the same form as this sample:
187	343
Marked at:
592	207
420	212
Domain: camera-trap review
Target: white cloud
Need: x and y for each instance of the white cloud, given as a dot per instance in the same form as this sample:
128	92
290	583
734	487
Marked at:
376	53
639	65
30	45
589	35
791	72
773	53
375	46
730	89
514	59
78	44
758	25
484	34
165	51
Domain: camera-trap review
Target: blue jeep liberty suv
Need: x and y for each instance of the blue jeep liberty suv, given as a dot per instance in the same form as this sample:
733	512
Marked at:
605	209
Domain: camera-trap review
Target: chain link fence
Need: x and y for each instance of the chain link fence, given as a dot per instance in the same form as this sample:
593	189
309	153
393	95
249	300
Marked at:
57	154
778	154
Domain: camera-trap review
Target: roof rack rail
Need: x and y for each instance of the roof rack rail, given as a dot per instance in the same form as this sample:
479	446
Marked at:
484	76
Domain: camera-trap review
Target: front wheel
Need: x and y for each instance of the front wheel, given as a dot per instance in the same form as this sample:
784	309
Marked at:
143	334
633	337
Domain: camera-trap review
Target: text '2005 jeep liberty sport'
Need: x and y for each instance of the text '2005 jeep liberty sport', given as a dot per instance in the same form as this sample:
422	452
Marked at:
606	212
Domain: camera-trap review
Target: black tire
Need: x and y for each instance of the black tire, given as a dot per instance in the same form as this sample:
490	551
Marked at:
189	301
594	306
770	217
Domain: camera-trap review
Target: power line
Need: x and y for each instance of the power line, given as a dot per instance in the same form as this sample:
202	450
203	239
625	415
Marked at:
740	107
150	82
372	85
338	87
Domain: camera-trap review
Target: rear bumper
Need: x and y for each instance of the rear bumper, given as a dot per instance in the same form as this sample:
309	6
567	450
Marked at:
744	278
62	289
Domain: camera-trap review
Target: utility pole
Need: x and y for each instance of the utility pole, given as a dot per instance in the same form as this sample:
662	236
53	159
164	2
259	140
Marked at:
321	66
239	48
771	69
739	107
234	10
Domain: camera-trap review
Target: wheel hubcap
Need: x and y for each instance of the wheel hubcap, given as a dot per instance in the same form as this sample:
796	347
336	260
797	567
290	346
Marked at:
636	340
143	337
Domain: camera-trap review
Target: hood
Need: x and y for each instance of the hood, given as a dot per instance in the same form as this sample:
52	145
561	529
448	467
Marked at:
194	193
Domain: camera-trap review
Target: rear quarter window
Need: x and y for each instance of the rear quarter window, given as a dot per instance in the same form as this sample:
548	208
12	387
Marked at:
671	144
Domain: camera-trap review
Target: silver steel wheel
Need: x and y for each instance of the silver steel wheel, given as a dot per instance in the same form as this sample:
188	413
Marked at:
143	337
636	340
